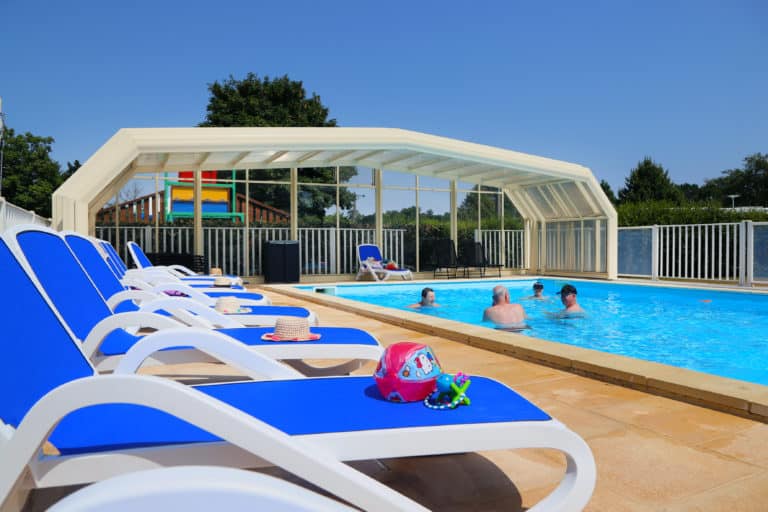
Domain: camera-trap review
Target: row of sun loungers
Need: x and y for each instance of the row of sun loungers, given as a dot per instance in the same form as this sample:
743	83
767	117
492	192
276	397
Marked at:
74	336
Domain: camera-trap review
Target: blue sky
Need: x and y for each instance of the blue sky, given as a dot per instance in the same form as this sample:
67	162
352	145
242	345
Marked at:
602	84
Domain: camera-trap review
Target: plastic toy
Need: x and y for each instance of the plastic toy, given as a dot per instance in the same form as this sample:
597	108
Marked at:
407	372
450	393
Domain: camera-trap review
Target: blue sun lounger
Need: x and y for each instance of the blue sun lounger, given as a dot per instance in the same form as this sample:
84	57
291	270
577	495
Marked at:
105	425
119	299
141	261
371	263
202	290
107	336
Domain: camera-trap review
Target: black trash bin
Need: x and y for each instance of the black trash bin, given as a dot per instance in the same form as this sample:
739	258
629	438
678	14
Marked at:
280	261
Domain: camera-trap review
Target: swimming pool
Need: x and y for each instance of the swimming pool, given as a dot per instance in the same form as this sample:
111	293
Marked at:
714	331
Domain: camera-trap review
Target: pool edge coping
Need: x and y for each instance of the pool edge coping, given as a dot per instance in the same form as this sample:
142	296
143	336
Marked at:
732	396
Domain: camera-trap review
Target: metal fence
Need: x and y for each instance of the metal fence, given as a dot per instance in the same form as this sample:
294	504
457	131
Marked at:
729	252
239	251
12	215
514	248
321	250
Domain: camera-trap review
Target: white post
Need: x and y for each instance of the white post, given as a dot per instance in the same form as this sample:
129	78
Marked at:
379	217
199	246
418	235
655	252
294	204
454	214
3	207
745	253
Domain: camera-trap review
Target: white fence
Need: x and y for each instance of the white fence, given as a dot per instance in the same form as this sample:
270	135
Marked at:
12	215
514	248
321	250
728	252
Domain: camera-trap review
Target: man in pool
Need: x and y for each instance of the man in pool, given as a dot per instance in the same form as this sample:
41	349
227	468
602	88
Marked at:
572	308
427	299
538	291
505	314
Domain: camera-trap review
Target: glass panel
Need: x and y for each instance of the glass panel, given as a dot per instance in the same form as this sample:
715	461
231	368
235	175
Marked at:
399	220
398	179
430	182
281	175
466	216
363	176
760	251
434	224
512	218
589	245
635	252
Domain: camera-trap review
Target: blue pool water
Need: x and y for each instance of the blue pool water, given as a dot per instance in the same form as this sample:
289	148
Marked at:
719	332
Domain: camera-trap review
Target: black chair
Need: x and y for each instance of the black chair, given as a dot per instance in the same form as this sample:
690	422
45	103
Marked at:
446	262
474	260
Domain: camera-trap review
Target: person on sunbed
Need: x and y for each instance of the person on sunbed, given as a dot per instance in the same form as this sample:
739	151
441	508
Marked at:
505	315
427	299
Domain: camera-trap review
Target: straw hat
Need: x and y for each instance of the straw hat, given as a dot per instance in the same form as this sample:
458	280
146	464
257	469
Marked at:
291	328
227	305
222	281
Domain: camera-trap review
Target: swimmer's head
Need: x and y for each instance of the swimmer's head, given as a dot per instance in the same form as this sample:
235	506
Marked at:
538	285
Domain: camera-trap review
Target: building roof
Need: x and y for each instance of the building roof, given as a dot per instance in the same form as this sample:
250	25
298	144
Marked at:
542	189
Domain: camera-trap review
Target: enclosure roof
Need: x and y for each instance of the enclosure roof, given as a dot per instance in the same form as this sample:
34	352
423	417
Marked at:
540	188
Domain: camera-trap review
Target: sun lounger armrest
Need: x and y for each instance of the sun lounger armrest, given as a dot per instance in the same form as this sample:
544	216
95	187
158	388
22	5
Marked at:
196	295
217	345
304	459
137	295
190	311
138	319
186	271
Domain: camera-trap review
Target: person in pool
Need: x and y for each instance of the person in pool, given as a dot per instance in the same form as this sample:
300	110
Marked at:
572	308
538	292
503	313
427	299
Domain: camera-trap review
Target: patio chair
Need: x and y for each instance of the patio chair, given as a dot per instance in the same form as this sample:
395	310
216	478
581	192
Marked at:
141	261
474	259
105	425
196	489
156	275
107	336
446	262
371	263
121	298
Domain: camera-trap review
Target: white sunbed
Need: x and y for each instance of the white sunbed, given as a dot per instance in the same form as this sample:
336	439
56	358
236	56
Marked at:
105	425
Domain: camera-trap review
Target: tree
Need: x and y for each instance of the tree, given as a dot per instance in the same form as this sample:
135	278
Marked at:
29	174
691	192
649	182
750	183
253	101
608	191
72	167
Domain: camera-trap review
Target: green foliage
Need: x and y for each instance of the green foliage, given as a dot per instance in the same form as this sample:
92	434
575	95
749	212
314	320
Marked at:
608	191
649	182
468	207
750	183
29	174
649	213
253	101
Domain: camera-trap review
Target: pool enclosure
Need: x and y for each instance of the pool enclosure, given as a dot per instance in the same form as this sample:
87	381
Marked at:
530	213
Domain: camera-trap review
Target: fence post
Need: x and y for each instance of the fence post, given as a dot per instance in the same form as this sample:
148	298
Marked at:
3	213
655	252
746	253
